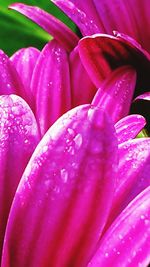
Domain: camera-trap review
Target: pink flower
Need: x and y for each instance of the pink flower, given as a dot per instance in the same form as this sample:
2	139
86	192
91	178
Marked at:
75	188
76	183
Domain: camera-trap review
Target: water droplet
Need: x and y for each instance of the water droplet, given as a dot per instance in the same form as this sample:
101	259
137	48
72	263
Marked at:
106	254
64	175
78	141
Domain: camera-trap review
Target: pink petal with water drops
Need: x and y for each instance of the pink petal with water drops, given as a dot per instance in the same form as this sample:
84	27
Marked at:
18	139
133	173
127	241
62	203
10	82
82	88
129	127
50	24
50	85
84	15
24	61
100	54
115	94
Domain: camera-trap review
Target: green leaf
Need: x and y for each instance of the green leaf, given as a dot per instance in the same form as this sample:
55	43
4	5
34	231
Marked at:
16	31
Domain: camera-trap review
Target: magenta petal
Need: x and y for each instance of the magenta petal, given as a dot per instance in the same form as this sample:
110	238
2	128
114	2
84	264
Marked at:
19	136
133	173
115	94
127	242
145	96
83	19
24	61
53	26
10	82
83	90
62	203
129	127
50	85
100	54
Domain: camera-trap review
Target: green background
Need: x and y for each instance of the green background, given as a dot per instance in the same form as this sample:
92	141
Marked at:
16	31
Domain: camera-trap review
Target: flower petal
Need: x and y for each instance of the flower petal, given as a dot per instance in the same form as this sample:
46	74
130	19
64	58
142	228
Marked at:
18	138
24	61
129	127
145	96
62	203
79	15
100	54
83	90
127	241
52	25
133	173
10	82
50	85
129	17
115	94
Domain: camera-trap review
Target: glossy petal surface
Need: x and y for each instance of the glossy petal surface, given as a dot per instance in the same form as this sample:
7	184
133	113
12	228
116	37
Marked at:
100	54
50	85
85	23
129	127
18	139
10	82
115	94
24	61
145	96
53	26
62	203
133	173
82	89
127	242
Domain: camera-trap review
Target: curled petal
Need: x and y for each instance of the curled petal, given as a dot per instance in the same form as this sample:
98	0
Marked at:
115	94
82	89
50	24
100	54
24	61
50	85
123	16
64	193
127	241
18	139
129	127
133	173
10	82
76	13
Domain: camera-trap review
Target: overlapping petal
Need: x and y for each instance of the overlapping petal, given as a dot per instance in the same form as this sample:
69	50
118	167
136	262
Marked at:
82	88
65	194
86	23
115	94
127	241
100	54
24	61
133	173
50	85
129	127
53	26
128	17
10	82
18	138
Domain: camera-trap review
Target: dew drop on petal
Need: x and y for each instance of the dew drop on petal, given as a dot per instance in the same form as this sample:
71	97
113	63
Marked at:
64	175
78	141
